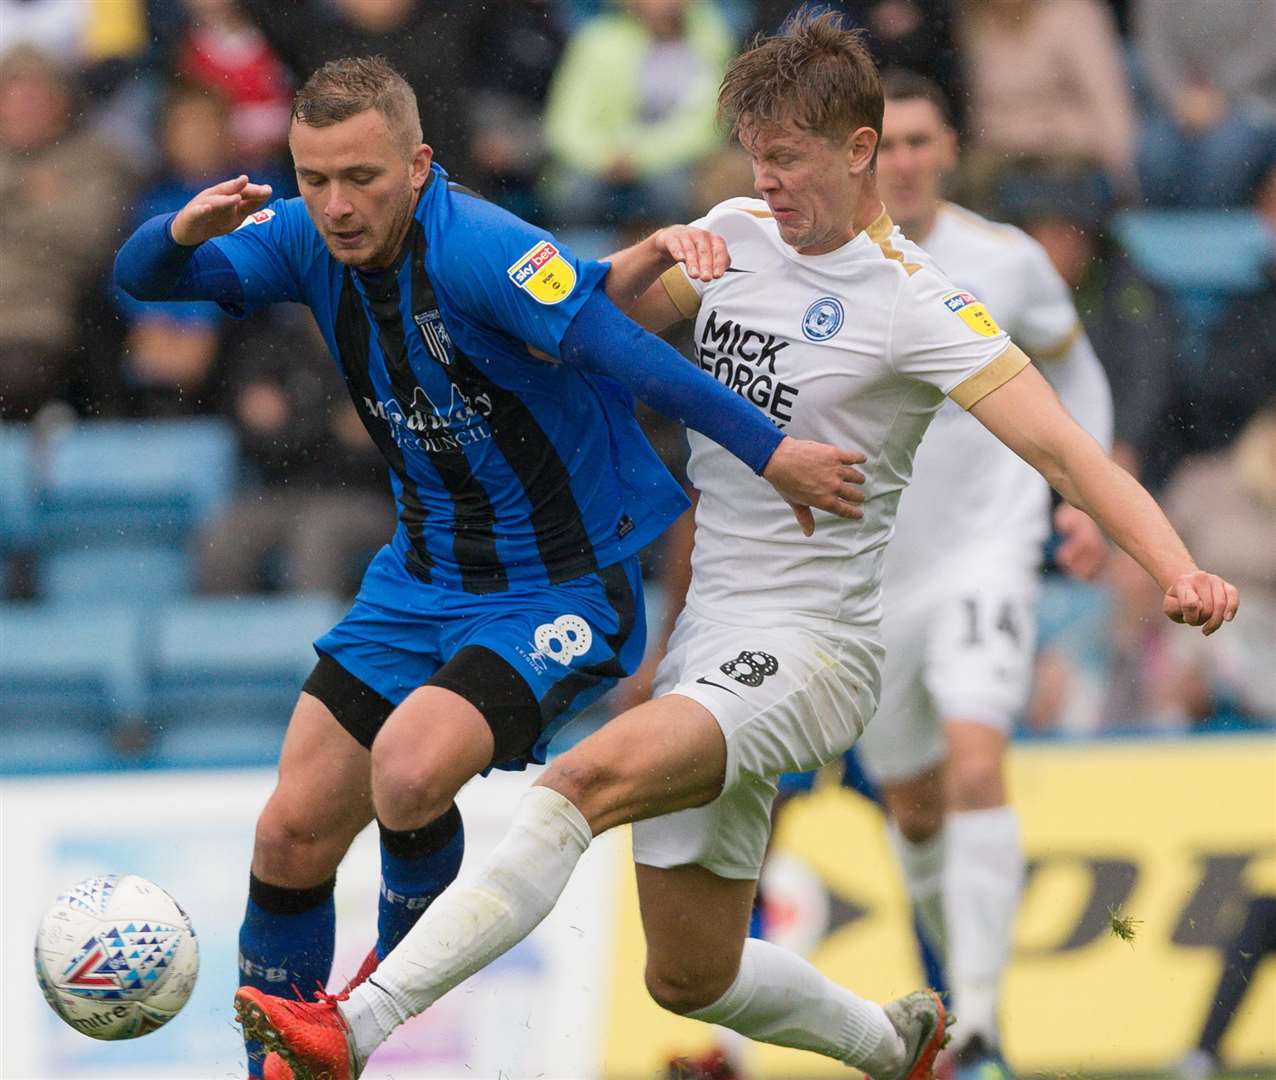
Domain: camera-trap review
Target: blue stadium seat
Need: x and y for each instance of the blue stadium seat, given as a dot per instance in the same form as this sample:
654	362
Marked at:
137	572
122	480
1212	251
68	675
17	490
226	673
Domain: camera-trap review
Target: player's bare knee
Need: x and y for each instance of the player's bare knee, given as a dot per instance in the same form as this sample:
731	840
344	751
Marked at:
589	785
293	849
683	992
975	782
920	820
409	790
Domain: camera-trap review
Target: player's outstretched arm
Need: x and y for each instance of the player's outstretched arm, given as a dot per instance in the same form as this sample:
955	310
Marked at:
1025	414
166	257
633	280
807	474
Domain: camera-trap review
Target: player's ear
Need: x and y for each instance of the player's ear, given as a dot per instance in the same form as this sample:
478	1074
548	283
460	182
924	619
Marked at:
419	166
859	149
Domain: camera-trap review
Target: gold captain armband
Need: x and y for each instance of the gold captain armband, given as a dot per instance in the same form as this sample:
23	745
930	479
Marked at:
983	382
681	292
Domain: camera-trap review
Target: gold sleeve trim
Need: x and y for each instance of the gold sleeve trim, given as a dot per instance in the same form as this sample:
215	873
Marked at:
684	296
880	233
1056	351
984	381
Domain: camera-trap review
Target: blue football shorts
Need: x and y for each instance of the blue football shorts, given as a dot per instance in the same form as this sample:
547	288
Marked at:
528	658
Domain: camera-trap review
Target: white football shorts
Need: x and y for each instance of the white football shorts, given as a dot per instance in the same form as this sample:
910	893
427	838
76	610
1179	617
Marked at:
959	651
787	700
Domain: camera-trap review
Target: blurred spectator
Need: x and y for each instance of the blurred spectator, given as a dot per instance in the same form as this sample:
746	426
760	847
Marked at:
1211	69
1224	507
1103	655
1129	321
63	193
170	350
631	112
916	35
223	49
1046	79
514	49
83	34
323	505
424	39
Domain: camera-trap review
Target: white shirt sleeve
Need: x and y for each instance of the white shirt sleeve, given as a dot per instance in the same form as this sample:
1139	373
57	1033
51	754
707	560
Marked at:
1082	385
685	292
1047	321
945	337
1050	331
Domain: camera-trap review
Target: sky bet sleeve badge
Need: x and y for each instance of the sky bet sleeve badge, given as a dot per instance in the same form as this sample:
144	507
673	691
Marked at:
972	313
544	273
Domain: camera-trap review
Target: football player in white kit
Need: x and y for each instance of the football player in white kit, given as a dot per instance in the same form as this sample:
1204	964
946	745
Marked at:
833	324
960	583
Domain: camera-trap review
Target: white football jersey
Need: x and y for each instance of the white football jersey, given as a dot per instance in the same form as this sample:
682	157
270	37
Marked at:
857	347
973	500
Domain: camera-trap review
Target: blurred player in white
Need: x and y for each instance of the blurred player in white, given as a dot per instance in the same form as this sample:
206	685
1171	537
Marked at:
960	583
829	321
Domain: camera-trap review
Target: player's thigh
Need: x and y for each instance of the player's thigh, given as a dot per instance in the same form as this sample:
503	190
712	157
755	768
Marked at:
785	700
529	661
322	797
662	756
695	924
433	742
904	739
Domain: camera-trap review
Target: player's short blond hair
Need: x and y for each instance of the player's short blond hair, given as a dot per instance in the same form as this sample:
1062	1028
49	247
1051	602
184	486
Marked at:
354	84
816	73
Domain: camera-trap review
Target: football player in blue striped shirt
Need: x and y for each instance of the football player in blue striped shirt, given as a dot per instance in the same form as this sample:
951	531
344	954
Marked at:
497	378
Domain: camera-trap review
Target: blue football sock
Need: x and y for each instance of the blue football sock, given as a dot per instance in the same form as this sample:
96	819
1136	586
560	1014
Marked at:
416	865
287	939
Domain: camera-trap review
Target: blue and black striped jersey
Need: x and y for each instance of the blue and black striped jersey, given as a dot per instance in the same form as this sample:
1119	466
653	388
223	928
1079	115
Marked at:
507	469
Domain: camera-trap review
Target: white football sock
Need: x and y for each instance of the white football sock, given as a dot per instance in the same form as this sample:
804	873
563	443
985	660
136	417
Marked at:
475	920
779	998
922	863
983	880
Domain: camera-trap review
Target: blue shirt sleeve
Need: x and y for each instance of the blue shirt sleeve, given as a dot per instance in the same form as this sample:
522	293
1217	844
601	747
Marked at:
270	252
262	262
499	271
602	339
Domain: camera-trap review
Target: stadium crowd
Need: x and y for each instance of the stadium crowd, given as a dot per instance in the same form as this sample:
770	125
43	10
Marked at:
1138	149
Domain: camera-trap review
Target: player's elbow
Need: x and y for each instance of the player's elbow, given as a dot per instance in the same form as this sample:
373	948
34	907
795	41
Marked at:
1066	463
128	276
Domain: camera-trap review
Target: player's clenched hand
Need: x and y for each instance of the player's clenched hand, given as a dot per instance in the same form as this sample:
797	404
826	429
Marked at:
1084	550
703	254
813	474
218	210
1201	599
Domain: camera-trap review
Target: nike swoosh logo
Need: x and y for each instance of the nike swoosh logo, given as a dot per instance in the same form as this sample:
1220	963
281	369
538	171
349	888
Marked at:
717	686
737	270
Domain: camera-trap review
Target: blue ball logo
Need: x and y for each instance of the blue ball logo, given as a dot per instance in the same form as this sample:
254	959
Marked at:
823	319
